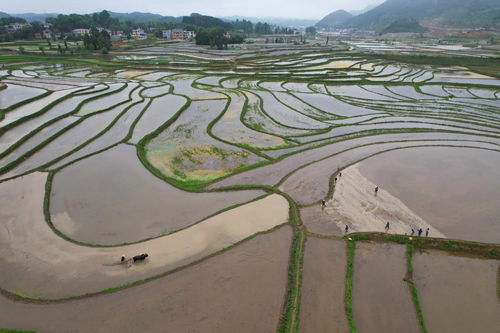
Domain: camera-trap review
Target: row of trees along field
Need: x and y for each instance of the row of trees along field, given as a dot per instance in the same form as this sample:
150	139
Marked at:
209	30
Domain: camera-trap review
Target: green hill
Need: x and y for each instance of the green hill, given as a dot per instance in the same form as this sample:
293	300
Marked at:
333	20
139	17
403	25
30	17
460	13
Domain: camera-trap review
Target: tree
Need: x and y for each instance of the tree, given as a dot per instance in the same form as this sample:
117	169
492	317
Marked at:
311	30
214	36
97	40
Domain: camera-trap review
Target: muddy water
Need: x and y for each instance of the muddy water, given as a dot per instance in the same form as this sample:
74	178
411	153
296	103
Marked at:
161	109
457	294
256	117
64	107
318	220
107	101
286	116
111	198
15	94
35	106
112	136
454	189
381	299
296	104
240	290
271	174
310	184
230	128
322	294
66	142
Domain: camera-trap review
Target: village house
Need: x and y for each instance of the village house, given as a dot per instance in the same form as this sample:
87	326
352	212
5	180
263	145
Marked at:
9	28
179	34
80	31
44	34
116	34
138	34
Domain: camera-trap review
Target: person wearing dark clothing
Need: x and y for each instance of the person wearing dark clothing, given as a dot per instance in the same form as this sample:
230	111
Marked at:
412	231
346	228
323	203
420	232
376	189
387	226
427	232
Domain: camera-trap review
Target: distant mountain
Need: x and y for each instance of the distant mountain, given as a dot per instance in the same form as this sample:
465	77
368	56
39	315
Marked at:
334	20
205	21
280	21
460	13
139	17
30	17
366	9
135	17
403	25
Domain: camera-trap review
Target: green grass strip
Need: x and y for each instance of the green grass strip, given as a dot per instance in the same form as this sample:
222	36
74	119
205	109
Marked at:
351	245
13	330
290	318
413	289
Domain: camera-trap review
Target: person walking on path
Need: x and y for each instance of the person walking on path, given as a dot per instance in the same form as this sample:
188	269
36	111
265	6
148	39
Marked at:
387	226
420	232
346	228
427	232
323	203
376	190
340	174
412	231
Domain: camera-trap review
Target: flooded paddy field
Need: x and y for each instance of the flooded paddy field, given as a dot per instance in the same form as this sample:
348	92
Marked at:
240	290
15	94
322	302
381	299
216	162
455	190
110	198
458	293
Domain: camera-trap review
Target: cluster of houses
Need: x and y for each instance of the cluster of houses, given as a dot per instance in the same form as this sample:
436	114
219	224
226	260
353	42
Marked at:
178	34
46	33
84	31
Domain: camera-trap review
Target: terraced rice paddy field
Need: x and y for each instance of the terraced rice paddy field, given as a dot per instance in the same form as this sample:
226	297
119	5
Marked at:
216	163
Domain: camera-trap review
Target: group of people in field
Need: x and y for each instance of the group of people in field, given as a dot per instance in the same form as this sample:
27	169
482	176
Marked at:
387	225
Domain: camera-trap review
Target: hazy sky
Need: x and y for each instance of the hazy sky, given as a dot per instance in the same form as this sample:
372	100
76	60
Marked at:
260	8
